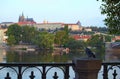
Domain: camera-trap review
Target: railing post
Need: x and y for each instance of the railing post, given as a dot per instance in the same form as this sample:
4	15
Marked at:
44	73
19	72
86	68
105	72
66	72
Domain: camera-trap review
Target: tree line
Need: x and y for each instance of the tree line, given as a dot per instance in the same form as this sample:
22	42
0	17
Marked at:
43	39
111	9
46	40
30	35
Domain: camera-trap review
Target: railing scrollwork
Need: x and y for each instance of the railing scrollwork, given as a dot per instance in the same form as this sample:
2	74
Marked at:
107	66
43	68
20	69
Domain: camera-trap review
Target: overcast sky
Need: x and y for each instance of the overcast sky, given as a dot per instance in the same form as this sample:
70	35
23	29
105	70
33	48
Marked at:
67	11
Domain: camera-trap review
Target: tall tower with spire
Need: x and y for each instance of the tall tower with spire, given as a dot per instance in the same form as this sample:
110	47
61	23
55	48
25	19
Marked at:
25	21
21	18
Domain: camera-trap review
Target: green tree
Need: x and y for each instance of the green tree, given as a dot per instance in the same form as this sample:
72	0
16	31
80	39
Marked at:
44	40
11	40
111	8
28	34
47	40
14	31
60	37
94	41
76	44
107	38
97	42
66	36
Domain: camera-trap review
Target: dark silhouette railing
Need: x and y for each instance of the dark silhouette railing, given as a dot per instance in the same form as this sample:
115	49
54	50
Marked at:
43	68
111	66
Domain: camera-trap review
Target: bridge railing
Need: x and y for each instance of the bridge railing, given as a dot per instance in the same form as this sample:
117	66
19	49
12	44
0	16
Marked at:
110	70
43	68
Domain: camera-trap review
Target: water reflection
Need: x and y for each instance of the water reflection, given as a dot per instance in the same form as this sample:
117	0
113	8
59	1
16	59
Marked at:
2	55
37	56
112	54
48	56
44	56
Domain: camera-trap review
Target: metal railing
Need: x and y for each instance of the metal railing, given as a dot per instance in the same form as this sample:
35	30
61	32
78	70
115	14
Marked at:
111	67
43	68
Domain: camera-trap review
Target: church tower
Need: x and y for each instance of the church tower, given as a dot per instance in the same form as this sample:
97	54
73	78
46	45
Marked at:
21	18
79	23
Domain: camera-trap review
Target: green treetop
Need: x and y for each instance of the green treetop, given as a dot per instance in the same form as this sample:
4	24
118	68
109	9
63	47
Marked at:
111	8
14	34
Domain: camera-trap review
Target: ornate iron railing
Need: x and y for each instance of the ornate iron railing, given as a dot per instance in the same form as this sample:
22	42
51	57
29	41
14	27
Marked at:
111	69
43	68
20	68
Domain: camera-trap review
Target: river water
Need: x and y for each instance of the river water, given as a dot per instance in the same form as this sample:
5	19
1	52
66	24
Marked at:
7	56
41	56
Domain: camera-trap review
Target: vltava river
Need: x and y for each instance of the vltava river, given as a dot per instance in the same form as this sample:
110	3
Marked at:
36	56
42	56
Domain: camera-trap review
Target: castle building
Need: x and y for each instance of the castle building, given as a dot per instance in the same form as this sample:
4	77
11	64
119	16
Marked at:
5	24
48	25
25	21
21	18
57	25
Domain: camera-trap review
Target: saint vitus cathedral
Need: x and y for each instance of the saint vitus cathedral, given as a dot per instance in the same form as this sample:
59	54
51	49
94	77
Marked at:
23	20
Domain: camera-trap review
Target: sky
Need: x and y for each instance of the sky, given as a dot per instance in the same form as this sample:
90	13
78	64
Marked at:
67	11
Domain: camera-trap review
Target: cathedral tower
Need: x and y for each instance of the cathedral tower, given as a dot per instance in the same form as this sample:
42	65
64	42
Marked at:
21	18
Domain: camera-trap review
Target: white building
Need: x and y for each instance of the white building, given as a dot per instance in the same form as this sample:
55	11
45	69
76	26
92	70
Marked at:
2	36
6	23
47	26
88	29
53	26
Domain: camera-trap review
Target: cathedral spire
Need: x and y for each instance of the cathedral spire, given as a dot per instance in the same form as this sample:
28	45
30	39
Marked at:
79	23
21	18
22	14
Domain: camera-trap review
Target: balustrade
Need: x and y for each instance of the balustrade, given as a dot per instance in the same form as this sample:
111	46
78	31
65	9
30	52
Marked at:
111	66
44	68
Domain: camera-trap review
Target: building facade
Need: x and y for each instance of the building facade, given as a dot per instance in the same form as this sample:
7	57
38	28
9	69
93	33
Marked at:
81	37
48	26
53	26
5	24
3	36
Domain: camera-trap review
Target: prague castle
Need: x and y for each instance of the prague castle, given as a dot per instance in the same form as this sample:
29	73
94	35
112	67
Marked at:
44	25
25	21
